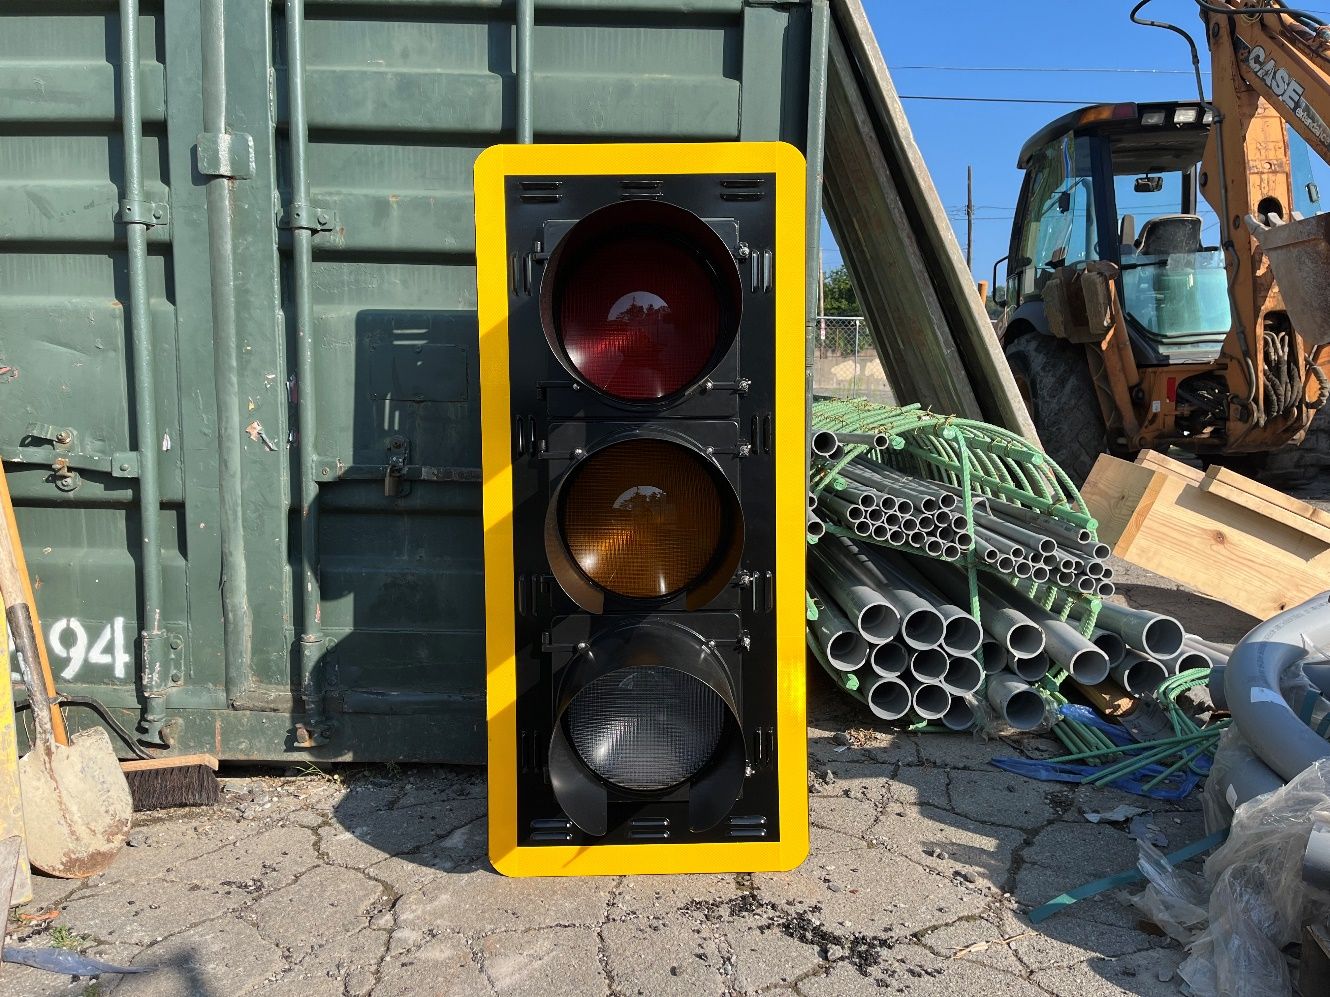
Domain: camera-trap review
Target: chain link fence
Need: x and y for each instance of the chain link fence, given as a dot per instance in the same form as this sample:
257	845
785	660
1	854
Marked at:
845	363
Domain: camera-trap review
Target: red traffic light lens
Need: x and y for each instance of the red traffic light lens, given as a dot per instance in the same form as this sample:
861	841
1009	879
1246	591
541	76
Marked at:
640	300
647	519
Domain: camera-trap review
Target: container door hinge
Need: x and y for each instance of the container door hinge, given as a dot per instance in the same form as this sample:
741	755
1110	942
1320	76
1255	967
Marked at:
175	659
226	154
399	448
307	217
149	214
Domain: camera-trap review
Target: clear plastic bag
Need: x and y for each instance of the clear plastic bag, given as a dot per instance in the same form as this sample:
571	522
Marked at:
1257	899
1177	901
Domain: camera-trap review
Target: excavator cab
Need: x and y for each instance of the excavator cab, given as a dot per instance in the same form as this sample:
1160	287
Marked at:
1110	234
1117	184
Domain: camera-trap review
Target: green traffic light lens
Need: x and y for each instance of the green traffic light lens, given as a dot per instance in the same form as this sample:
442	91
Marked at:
645	728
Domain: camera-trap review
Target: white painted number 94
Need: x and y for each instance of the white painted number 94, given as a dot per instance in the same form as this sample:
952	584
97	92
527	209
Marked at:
69	639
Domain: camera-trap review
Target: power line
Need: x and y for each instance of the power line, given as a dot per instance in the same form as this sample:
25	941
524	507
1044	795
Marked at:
1047	69
1005	100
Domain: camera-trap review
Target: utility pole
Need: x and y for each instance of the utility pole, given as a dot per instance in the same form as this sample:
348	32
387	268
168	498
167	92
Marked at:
969	218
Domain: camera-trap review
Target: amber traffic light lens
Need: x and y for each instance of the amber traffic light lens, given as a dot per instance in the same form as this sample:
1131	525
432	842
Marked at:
643	299
647	518
646	728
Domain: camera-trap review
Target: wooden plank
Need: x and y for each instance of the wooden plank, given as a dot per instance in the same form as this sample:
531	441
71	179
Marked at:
168	762
1231	479
1214	546
1116	491
1257	504
1109	699
1163	462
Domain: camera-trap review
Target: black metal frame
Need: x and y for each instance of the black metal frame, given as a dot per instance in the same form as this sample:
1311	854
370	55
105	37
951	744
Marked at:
728	415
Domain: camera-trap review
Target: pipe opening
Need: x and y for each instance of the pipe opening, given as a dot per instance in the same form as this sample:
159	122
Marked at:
1162	637
889	699
1143	676
1025	640
1089	666
962	635
931	702
959	715
963	676
889	659
1024	710
824	443
847	651
923	628
879	623
929	665
1031	669
1111	644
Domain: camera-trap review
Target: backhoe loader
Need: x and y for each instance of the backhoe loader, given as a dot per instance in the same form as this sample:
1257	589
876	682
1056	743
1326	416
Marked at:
1135	317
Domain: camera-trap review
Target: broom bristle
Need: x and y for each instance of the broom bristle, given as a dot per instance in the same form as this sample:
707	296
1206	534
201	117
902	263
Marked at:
192	783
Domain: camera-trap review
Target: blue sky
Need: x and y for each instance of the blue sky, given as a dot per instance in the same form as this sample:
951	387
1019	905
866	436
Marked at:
1034	35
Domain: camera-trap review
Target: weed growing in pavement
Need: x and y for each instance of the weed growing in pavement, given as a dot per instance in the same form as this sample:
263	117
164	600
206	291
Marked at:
311	771
62	938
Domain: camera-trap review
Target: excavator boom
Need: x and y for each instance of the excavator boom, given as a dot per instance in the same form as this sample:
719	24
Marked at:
1270	67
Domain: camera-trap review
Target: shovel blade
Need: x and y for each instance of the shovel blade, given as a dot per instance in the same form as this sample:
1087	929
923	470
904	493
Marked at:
76	805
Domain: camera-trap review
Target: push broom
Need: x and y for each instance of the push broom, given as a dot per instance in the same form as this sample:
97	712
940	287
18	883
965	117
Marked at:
154	783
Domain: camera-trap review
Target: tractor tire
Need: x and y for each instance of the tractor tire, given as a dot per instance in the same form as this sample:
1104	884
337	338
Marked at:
1307	463
1054	379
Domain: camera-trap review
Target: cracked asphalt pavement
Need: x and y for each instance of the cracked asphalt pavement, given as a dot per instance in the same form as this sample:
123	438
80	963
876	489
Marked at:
374	881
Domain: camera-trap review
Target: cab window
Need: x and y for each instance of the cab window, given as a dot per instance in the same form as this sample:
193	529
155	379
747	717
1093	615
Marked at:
1059	225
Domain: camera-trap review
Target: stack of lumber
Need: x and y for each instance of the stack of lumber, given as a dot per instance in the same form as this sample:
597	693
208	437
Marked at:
1217	532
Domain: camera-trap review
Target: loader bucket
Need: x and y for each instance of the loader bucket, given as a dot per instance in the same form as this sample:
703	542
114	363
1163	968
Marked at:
1299	254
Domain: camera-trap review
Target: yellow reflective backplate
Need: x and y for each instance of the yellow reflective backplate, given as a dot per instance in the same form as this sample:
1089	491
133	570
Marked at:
492	168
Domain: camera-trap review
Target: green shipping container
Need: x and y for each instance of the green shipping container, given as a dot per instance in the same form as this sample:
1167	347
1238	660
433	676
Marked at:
238	390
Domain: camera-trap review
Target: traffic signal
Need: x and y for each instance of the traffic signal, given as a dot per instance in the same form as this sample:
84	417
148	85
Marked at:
641	314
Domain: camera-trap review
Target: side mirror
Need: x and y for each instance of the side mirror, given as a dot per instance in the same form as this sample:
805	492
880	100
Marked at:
1064	202
1148	185
999	288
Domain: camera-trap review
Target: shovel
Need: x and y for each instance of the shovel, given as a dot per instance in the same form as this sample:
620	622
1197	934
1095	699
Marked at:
76	803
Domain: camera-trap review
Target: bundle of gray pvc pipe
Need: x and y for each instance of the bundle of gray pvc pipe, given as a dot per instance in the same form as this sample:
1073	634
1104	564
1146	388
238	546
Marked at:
890	640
